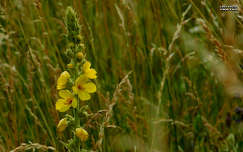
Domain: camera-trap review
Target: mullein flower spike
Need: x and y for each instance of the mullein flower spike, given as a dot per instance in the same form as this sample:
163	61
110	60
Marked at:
80	85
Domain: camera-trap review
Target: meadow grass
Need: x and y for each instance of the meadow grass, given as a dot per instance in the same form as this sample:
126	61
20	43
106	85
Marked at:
169	74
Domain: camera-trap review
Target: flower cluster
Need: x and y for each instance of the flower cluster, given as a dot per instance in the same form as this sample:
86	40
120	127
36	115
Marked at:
80	91
75	84
82	87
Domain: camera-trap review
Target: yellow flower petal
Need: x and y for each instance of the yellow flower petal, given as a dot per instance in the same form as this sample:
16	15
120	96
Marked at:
74	103
90	87
83	87
65	94
60	86
59	103
62	80
75	90
83	95
61	106
91	74
81	79
65	74
86	66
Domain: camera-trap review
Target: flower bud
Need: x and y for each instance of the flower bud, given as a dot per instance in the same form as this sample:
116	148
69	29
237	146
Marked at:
80	55
81	134
62	80
62	125
70	65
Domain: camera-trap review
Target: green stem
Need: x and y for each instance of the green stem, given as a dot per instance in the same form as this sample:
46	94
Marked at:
77	110
78	120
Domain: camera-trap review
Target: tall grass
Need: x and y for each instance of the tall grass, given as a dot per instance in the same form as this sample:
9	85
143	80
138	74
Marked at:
169	75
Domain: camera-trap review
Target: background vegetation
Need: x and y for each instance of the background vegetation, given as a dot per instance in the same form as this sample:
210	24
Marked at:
169	74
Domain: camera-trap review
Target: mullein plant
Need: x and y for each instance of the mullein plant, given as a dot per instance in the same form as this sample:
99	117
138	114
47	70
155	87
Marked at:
74	85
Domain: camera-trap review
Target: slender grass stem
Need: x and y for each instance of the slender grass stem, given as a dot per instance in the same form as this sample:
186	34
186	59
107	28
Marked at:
46	124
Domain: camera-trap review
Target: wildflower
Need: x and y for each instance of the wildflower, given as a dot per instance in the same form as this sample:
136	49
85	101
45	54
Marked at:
62	80
89	72
83	87
81	134
62	125
66	102
70	65
80	55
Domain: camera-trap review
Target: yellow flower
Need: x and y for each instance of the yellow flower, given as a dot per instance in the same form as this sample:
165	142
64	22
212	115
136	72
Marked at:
83	87
62	80
62	125
66	101
81	134
89	72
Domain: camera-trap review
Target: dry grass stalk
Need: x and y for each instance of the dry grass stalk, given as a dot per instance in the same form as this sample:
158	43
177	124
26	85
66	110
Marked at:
108	115
24	147
219	49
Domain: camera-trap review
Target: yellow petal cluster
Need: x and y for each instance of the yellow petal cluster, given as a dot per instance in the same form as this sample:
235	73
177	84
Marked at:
62	125
67	100
89	72
82	134
83	87
62	80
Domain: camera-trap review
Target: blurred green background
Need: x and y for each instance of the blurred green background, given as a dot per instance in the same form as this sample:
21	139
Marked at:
185	80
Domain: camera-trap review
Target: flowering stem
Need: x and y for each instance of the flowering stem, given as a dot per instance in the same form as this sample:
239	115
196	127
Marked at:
76	114
78	121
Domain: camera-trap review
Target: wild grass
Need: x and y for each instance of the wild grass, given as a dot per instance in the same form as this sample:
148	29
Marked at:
169	74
